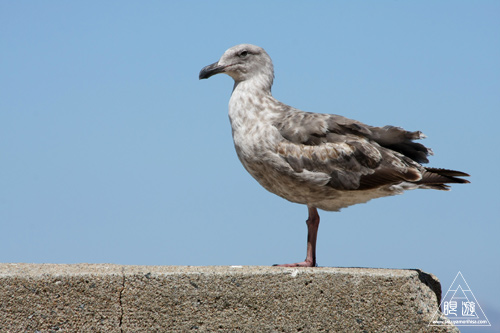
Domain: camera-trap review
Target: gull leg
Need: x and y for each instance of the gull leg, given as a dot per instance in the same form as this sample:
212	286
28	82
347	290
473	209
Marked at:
312	234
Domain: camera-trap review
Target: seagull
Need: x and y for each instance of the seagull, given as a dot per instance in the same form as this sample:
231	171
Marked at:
324	161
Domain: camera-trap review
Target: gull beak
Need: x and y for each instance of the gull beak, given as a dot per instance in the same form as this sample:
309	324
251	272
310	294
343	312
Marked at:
210	70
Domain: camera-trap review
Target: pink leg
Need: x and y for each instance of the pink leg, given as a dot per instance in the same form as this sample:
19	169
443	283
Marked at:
312	235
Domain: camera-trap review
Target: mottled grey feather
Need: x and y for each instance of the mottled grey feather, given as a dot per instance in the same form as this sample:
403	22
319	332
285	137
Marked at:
375	156
322	160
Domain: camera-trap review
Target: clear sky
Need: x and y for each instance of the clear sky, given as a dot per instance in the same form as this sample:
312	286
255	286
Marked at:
112	150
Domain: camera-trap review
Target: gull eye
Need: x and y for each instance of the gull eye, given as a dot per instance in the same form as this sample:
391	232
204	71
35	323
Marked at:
243	54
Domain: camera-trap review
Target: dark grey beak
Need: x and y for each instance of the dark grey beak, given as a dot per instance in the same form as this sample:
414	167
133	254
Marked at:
210	70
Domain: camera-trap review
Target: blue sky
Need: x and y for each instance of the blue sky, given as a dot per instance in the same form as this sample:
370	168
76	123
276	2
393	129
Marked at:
113	151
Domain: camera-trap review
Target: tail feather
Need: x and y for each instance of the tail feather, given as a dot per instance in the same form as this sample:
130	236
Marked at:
447	172
436	178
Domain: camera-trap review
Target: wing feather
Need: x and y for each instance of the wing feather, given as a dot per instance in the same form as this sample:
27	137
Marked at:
355	156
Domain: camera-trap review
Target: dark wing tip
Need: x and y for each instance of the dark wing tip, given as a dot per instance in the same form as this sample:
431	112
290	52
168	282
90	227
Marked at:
448	172
443	176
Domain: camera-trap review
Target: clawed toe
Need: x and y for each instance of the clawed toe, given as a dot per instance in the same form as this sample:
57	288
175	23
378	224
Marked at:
298	264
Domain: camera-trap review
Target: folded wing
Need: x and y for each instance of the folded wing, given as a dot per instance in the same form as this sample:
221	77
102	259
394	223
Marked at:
356	156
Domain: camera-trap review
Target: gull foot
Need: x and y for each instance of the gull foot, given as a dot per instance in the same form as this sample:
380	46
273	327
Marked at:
298	264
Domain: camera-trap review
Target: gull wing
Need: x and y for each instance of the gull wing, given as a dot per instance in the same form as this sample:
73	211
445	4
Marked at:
356	156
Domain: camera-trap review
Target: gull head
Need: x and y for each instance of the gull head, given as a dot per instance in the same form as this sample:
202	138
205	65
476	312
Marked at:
242	62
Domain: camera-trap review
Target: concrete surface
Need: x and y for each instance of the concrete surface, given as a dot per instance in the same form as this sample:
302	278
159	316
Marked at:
114	298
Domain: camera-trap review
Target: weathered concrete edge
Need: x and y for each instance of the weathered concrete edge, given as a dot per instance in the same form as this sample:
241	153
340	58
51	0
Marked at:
34	270
120	273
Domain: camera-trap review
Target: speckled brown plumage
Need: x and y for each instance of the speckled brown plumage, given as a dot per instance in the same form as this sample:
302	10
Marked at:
321	160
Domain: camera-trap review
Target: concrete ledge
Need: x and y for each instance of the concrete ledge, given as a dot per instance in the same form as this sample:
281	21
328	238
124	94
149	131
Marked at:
115	298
